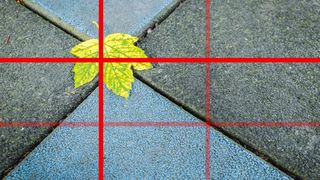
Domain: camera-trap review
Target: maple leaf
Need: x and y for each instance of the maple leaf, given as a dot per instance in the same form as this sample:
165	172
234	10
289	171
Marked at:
117	76
84	73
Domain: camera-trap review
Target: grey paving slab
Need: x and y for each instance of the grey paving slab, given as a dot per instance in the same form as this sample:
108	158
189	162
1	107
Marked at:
182	34
33	93
139	152
25	34
273	93
239	29
272	28
133	16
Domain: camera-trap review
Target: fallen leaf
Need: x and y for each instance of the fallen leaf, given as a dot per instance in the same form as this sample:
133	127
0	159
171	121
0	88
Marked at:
117	76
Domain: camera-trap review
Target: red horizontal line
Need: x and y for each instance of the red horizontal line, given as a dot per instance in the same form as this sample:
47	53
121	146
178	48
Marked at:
216	60
265	124
47	60
163	60
46	124
161	124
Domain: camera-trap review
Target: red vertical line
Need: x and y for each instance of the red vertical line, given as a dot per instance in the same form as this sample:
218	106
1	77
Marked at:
100	94
101	125
101	28
207	89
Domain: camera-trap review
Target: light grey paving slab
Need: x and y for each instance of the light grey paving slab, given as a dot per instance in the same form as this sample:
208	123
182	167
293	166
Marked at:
25	34
139	152
135	16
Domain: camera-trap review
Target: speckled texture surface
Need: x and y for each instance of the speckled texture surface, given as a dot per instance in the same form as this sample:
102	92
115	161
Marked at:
182	34
68	152
255	92
265	28
248	92
273	93
78	15
33	93
25	34
139	152
184	82
134	16
242	28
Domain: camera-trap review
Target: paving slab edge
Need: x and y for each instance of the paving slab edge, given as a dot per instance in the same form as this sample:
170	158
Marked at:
192	110
53	129
165	12
55	20
157	20
47	138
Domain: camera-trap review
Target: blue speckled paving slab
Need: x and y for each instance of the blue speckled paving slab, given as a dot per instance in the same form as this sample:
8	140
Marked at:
134	16
126	16
139	152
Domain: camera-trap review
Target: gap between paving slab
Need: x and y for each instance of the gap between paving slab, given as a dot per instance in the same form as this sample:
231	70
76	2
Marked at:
139	152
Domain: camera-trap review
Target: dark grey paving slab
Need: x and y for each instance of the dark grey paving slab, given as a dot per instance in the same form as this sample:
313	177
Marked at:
182	34
246	92
132	17
265	28
239	29
33	93
272	93
139	152
25	34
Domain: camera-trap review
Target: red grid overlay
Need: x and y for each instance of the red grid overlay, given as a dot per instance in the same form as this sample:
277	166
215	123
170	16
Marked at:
208	121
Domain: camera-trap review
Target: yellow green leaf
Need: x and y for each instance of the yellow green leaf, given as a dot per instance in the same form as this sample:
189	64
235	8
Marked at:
142	66
84	73
87	49
119	78
119	45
